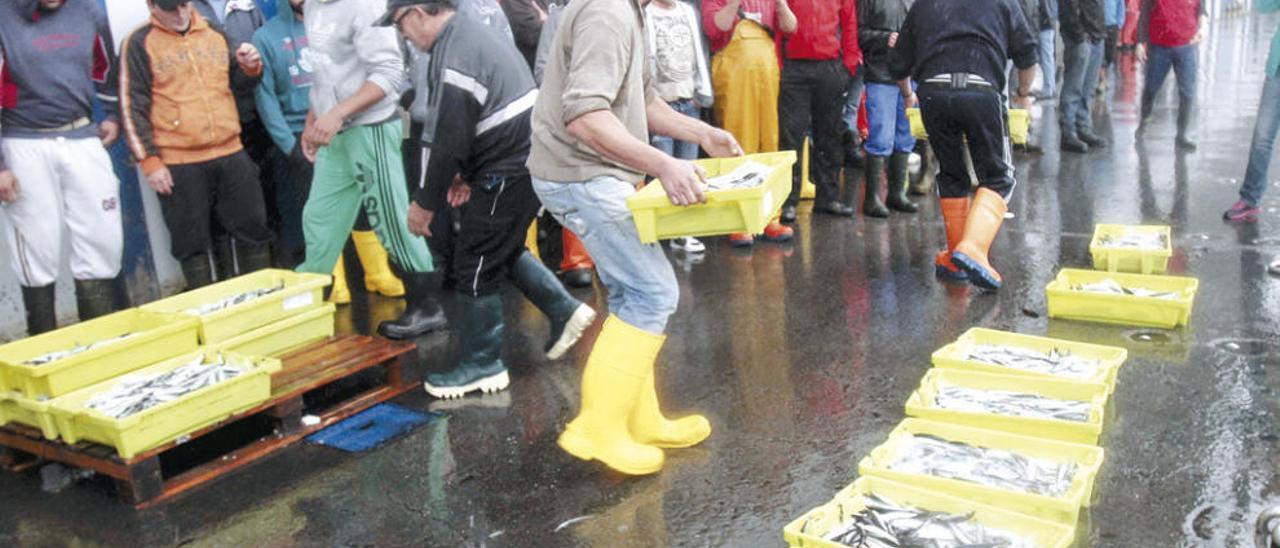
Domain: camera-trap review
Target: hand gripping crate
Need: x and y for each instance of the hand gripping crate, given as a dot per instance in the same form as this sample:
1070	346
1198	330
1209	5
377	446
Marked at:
1065	302
1064	509
1129	259
284	335
922	404
727	211
170	420
152	337
957	355
301	292
813	528
1019	125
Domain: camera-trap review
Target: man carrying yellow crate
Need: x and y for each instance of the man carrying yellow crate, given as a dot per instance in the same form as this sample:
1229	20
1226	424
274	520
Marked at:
590	149
959	62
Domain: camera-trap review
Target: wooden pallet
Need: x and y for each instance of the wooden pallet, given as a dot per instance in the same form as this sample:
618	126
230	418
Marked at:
305	371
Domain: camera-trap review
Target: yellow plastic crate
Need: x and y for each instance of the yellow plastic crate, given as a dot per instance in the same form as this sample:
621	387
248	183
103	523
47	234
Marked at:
168	421
302	292
956	354
284	335
921	404
1065	509
1019	125
158	337
17	409
1138	261
1121	309
811	529
726	211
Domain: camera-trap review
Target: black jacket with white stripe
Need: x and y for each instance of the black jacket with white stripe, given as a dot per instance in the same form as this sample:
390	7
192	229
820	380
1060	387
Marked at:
480	98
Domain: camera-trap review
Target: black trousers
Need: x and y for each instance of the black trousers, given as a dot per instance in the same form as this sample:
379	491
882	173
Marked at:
977	118
811	99
1113	42
227	187
493	227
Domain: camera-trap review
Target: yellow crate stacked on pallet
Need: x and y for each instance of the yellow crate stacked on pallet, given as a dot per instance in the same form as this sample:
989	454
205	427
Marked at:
268	325
170	420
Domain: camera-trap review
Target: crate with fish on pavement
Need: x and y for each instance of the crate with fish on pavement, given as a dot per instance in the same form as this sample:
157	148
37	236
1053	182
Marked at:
165	453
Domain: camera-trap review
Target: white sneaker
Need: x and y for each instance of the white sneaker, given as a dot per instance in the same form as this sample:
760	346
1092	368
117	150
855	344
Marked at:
688	245
1274	268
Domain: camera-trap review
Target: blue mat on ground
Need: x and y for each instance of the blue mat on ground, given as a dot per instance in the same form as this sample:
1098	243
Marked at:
371	428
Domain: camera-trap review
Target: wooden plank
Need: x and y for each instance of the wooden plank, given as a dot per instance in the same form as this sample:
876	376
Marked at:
144	483
31	441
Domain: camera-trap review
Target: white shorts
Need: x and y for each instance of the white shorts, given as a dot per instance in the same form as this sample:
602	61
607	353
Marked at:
63	183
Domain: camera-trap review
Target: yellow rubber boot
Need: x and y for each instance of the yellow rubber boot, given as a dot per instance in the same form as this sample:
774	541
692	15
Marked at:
650	427
341	294
378	277
980	229
612	385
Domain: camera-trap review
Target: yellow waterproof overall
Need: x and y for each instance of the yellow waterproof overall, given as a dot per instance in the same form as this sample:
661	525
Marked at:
745	76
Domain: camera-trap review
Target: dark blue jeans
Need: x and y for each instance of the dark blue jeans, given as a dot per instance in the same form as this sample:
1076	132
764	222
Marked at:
682	150
1082	60
1159	61
1264	140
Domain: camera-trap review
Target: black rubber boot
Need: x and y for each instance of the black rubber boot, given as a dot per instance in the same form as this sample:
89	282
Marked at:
197	271
578	278
873	168
252	258
1071	143
1092	139
924	185
897	184
1184	141
480	340
422	313
568	316
95	298
42	317
224	259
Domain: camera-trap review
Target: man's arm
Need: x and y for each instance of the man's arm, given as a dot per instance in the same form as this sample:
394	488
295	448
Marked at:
449	143
902	57
724	16
1144	21
871	40
526	19
106	70
787	22
268	101
135	102
849	36
664	120
379	50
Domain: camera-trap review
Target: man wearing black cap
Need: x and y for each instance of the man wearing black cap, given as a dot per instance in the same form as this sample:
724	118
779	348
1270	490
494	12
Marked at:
475	140
959	63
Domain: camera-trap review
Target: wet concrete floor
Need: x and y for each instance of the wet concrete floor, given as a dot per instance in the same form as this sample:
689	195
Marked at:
803	355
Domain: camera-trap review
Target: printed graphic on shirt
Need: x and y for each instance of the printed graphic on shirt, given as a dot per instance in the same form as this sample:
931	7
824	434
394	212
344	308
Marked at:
674	47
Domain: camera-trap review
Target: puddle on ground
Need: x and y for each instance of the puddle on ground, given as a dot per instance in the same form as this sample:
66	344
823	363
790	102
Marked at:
1249	348
1150	337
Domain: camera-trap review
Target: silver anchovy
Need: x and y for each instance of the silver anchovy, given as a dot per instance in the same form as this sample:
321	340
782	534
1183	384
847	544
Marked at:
1111	286
884	523
76	349
747	175
135	395
234	300
999	468
1135	240
1057	362
1014	404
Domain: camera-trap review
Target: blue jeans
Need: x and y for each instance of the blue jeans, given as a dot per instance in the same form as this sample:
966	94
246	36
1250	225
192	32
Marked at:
888	130
1264	140
639	278
1048	63
1083	61
1159	61
853	101
682	150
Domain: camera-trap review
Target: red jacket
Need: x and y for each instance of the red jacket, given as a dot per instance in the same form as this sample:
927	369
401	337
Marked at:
767	10
1169	23
826	29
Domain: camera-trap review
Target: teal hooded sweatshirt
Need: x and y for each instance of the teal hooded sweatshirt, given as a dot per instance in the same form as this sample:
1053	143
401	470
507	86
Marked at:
283	96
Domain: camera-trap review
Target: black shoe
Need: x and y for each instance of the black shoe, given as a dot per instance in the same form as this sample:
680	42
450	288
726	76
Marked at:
1030	148
422	313
42	316
1185	144
578	278
789	214
1092	139
871	204
1071	143
897	182
833	208
94	298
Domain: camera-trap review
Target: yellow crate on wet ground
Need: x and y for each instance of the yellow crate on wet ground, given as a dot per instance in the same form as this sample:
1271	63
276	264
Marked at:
170	420
1019	125
1064	509
922	404
813	528
14	408
957	355
285	335
300	292
1067	303
726	211
151	337
1135	260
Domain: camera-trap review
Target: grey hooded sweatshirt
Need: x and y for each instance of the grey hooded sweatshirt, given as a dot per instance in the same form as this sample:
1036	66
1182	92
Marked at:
345	50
